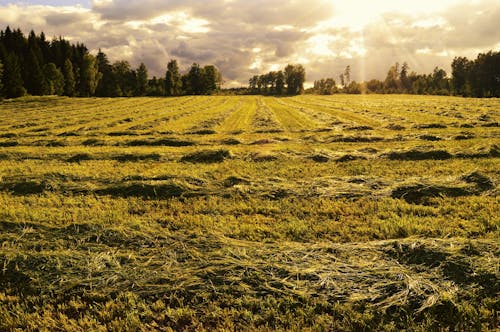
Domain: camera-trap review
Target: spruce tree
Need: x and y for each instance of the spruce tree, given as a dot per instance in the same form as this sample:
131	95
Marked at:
1	80
13	81
34	80
142	80
107	84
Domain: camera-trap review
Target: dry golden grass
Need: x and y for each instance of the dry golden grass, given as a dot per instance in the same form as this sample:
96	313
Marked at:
320	213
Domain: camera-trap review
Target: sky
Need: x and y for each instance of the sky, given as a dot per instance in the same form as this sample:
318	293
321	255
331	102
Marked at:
249	37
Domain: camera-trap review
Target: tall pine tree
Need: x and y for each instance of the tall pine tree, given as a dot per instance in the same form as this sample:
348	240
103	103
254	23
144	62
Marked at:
142	80
107	84
1	80
33	78
13	81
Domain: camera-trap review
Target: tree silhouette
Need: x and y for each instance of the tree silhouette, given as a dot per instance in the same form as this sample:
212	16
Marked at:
53	80
173	82
142	80
69	78
89	76
12	79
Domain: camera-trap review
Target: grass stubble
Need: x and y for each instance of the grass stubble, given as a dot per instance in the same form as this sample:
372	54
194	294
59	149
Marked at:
318	213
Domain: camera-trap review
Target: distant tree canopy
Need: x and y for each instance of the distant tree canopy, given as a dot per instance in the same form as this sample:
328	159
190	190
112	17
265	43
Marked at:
478	78
291	81
36	66
469	78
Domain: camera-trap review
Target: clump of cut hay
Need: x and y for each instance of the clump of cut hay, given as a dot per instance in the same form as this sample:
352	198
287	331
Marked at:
464	136
416	154
430	126
355	139
490	125
161	142
269	131
93	142
207	156
429	138
349	157
263	157
137	157
203	132
359	128
7	144
147	191
480	180
484	117
8	135
394	126
492	151
80	157
68	134
420	193
123	133
323	130
26	186
320	158
264	141
230	141
368	150
55	143
233	181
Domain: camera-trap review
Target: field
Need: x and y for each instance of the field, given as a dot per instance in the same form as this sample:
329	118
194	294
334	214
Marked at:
321	213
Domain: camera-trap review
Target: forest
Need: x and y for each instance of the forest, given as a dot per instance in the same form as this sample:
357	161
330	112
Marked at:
37	66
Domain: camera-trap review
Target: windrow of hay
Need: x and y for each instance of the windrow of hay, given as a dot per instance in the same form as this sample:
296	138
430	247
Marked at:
207	156
161	142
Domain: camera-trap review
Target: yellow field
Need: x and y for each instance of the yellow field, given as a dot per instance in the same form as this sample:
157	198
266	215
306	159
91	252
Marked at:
340	212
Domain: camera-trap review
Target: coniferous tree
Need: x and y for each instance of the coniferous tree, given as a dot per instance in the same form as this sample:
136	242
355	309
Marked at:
107	84
280	83
404	79
142	80
13	81
33	78
1	80
69	78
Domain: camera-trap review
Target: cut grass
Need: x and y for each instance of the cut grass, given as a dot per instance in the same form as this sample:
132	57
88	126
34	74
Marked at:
330	213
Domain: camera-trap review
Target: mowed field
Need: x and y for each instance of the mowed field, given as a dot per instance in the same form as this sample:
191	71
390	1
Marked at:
327	213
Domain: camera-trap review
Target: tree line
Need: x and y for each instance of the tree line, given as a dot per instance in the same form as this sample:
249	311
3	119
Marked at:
469	78
33	65
36	66
289	81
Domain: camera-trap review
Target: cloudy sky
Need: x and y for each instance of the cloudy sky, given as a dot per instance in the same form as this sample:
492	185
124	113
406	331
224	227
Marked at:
248	37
